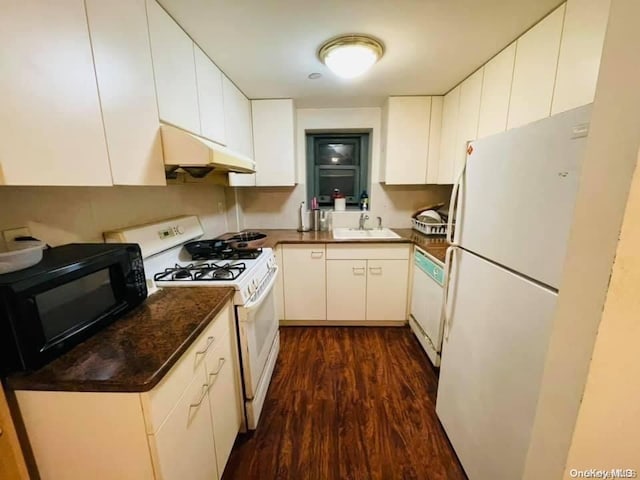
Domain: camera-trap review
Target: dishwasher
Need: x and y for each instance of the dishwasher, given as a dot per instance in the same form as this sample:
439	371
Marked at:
426	318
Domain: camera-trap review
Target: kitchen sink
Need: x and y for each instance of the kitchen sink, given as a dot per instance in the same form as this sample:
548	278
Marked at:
366	234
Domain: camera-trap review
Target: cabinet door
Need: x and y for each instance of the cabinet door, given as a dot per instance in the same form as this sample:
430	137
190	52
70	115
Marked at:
496	91
224	398
535	71
51	130
583	32
407	142
210	100
305	294
237	119
183	447
122	56
175	70
387	282
435	132
273	142
450	108
278	288
468	115
12	464
346	289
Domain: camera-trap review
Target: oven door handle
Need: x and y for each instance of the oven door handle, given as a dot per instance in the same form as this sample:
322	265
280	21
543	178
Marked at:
255	303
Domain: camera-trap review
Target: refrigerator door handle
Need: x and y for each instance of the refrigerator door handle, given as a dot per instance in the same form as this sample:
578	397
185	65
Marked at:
452	202
448	263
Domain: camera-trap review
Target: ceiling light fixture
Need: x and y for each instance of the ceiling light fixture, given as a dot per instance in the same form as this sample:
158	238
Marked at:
350	56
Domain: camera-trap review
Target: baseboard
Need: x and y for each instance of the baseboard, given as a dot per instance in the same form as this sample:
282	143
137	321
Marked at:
343	323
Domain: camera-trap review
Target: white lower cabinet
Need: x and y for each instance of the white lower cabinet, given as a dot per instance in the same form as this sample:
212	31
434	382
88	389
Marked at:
183	447
279	286
226	416
346	289
387	283
305	295
183	428
364	282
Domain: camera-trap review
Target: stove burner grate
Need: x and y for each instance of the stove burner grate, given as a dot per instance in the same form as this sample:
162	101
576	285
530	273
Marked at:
227	254
208	272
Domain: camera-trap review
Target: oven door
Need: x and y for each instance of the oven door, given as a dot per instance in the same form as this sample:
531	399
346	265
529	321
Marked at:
258	327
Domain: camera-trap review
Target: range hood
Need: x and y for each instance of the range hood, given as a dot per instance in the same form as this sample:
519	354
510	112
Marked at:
199	156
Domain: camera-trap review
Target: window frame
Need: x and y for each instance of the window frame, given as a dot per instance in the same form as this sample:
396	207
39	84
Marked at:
363	165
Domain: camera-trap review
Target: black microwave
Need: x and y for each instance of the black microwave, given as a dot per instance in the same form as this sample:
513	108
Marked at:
72	293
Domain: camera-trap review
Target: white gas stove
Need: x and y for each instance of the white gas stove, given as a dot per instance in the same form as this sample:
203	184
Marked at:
171	269
168	264
252	273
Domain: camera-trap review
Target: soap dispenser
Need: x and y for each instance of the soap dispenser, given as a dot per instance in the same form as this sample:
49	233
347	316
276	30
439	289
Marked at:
364	201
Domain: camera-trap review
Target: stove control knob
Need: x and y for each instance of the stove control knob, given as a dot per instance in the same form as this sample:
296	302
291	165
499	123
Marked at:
179	230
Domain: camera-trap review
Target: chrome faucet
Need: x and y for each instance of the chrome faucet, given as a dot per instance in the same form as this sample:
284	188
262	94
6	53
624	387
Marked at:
363	218
379	223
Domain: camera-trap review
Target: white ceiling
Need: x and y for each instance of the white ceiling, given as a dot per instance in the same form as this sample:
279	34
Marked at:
268	47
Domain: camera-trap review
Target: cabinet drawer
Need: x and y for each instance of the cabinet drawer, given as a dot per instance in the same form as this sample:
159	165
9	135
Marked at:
158	402
429	267
376	251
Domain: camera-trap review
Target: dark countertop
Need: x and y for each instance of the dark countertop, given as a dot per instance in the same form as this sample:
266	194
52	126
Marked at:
436	246
135	352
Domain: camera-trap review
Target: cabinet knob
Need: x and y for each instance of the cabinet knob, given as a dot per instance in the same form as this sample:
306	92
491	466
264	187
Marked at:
1	431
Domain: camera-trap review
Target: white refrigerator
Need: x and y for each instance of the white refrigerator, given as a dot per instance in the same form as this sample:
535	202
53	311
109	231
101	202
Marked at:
516	199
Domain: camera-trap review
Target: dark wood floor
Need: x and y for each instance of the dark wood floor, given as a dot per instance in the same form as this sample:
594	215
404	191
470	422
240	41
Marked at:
348	403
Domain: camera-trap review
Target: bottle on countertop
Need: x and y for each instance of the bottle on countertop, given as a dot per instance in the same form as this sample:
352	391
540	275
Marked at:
339	201
364	201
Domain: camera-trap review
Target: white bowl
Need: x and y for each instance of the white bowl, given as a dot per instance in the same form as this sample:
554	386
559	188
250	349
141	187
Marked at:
21	256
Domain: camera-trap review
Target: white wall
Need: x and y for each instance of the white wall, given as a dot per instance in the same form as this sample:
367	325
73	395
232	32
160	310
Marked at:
608	167
60	215
607	433
278	207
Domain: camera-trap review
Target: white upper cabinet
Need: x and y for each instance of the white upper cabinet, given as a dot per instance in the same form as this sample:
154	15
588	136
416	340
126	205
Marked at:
496	92
175	70
435	131
534	74
407	140
448	136
468	115
273	142
551	68
210	98
238	127
585	24
122	56
51	129
237	119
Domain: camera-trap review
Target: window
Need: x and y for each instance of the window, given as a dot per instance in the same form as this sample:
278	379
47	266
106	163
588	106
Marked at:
337	161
